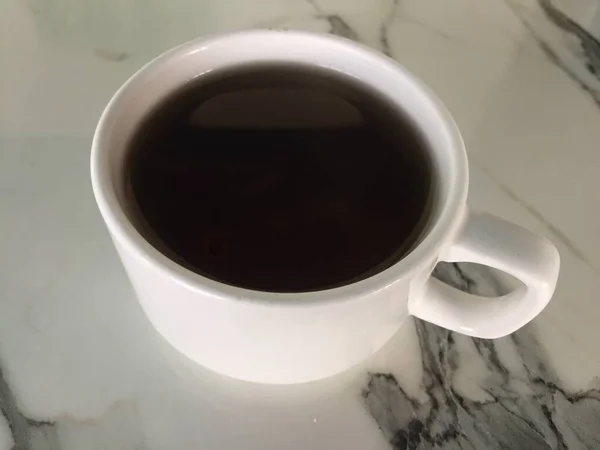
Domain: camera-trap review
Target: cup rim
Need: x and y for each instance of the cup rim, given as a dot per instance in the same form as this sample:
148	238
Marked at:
448	223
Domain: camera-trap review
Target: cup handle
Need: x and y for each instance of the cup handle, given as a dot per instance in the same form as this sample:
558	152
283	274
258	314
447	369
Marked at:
502	245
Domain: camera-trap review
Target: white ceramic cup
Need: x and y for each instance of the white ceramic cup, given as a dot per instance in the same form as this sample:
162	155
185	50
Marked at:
297	337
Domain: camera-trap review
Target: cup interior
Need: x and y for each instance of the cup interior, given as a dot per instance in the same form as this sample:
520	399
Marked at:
197	60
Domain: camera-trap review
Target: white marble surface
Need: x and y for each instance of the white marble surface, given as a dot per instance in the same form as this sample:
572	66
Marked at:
81	367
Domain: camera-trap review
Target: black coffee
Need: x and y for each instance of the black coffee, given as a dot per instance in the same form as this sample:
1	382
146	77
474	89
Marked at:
279	178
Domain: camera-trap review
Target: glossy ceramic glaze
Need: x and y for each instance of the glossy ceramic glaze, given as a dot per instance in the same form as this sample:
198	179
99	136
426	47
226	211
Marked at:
292	338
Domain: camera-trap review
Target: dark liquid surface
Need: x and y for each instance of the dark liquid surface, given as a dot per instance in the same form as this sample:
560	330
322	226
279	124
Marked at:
279	195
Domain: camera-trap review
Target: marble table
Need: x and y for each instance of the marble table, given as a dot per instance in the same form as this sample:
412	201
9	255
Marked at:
81	367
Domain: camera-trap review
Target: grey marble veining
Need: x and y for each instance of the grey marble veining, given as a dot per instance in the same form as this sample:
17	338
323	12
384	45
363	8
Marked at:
525	407
23	430
80	367
567	43
337	25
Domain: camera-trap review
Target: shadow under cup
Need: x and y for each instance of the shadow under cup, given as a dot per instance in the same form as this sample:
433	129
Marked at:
280	177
